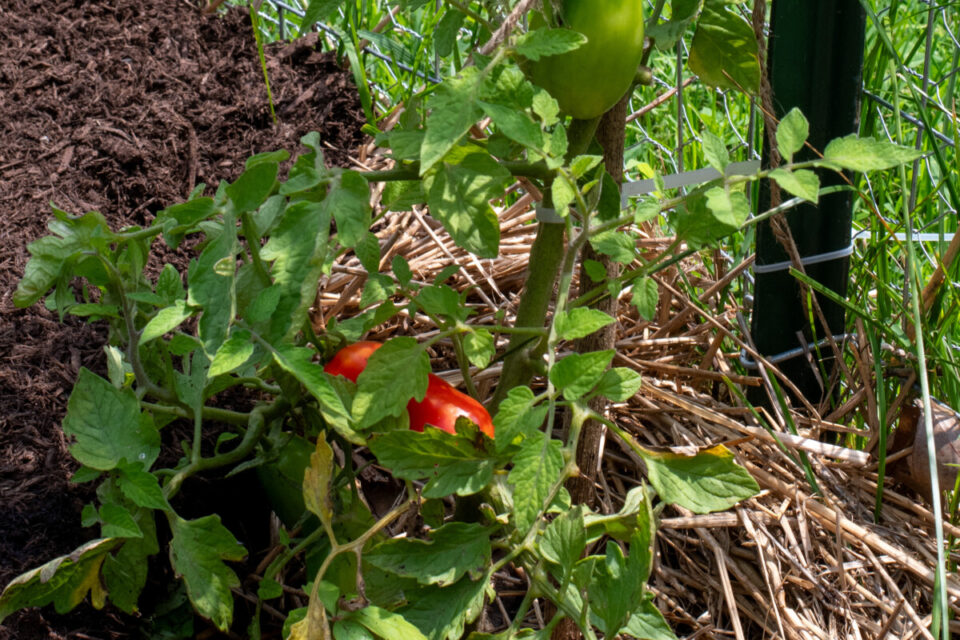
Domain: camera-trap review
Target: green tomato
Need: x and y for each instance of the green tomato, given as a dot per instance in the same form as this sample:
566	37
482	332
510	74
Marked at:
589	80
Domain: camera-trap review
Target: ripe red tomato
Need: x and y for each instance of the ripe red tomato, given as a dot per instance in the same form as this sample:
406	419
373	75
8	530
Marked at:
441	406
351	360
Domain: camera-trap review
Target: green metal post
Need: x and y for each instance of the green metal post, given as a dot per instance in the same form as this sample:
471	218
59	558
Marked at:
815	63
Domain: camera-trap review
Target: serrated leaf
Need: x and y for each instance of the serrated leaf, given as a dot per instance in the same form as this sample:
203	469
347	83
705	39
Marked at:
125	573
564	539
316	482
646	296
141	487
297	248
253	186
105	422
453	110
214	291
647	623
479	347
619	245
515	124
453	550
117	522
395	373
197	552
452	462
517	417
617	587
709	481
445	34
581	322
442	612
802	183
441	300
563	194
349	202
536	467
792	132
64	581
544	42
232	354
718	213
867	154
578	373
619	384
458	194
715	151
165	320
724	50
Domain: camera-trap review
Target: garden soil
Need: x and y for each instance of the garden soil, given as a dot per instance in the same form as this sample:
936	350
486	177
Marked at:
120	106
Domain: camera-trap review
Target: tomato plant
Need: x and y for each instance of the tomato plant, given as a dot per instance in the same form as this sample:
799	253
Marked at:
593	77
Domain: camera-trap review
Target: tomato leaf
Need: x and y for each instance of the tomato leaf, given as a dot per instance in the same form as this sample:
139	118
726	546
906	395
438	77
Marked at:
211	286
867	154
479	347
64	581
453	110
646	296
724	50
442	612
458	193
349	201
125	573
105	422
452	463
792	132
548	42
647	623
395	373
197	551
581	322
619	384
709	481
578	373
564	539
536	467
517	418
802	183
452	551
253	186
316	482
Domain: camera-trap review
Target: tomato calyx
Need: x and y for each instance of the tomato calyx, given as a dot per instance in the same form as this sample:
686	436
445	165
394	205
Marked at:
441	405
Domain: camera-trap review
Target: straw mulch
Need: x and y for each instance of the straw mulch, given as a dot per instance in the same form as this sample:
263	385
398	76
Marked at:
785	564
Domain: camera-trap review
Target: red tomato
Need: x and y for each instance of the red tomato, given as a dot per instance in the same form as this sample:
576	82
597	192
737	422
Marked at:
441	406
351	360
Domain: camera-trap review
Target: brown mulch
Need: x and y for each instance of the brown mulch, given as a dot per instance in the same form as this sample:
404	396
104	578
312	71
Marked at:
120	106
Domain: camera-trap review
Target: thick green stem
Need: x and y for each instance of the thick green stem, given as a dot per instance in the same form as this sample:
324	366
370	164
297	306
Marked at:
546	256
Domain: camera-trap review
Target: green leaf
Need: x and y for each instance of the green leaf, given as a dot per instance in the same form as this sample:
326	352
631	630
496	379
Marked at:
453	110
316	482
118	523
715	152
125	573
867	154
536	468
545	42
709	481
166	320
517	417
515	124
212	289
479	347
298	361
619	245
458	194
170	284
442	612
617	588
441	300
716	214
452	462
105	422
453	550
232	354
317	11
724	50
253	186
197	552
563	194
445	34
297	248
349	202
49	254
546	108
792	132
646	296
401	269
64	581
395	373
619	384
596	271
578	373
647	623
141	487
564	539
368	251
581	322
377	288
802	183
385	624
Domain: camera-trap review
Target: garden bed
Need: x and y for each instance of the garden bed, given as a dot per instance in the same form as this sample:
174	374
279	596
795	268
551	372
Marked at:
119	106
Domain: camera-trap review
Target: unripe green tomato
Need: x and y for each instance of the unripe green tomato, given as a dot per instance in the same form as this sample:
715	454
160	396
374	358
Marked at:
589	80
